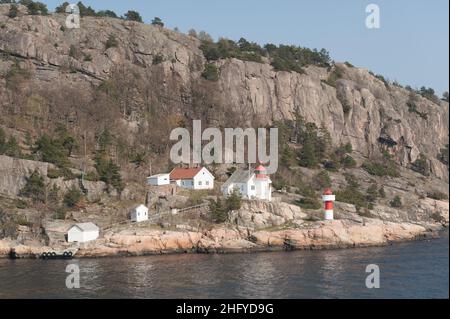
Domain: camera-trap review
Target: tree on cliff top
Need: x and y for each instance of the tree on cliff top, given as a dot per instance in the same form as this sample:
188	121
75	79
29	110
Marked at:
35	8
62	8
13	11
133	16
158	22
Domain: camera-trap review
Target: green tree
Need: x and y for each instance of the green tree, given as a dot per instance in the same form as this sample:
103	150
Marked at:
158	59
65	139
62	8
332	164
348	162
51	151
111	42
85	11
107	13
351	194
372	193
429	94
288	157
234	200
35	8
108	172
13	11
12	148
315	141
192	33
158	22
396	202
105	140
321	181
217	211
133	16
211	72
53	195
382	167
34	187
307	155
309	203
72	197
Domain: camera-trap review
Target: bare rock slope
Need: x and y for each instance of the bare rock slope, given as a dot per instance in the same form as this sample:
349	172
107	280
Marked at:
376	113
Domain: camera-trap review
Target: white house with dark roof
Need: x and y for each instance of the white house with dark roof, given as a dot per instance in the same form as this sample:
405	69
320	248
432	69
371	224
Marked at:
83	232
252	184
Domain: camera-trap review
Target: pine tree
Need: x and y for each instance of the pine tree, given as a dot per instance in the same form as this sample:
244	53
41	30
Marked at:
34	187
133	16
234	200
158	22
72	197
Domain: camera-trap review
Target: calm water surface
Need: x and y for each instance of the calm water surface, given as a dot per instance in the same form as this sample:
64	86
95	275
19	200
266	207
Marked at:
408	270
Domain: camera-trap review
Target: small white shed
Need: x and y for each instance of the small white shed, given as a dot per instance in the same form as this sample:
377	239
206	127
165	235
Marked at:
83	232
139	214
159	180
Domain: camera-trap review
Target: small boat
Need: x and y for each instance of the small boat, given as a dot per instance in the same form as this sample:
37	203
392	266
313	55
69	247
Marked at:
54	255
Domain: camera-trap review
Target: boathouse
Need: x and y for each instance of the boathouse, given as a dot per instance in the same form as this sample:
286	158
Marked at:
82	233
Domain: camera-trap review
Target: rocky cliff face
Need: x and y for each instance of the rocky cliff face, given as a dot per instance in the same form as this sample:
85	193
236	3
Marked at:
376	112
377	115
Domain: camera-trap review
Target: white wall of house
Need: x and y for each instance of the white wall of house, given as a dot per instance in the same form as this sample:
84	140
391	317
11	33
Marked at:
177	182
159	180
75	234
252	189
185	183
204	180
139	214
241	187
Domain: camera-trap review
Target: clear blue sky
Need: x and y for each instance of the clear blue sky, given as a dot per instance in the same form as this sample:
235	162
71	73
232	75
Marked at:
412	45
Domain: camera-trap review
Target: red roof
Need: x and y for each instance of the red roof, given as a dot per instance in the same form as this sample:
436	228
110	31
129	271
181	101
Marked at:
260	168
184	173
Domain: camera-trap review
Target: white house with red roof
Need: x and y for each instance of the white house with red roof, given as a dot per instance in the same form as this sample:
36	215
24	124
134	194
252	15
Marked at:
192	178
251	184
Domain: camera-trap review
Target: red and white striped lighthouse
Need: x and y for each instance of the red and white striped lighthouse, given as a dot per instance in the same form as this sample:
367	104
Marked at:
328	198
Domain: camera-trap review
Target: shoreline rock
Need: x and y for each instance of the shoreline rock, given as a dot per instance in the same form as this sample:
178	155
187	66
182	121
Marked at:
338	234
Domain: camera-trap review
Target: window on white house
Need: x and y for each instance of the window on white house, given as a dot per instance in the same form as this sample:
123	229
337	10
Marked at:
207	182
200	183
253	187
